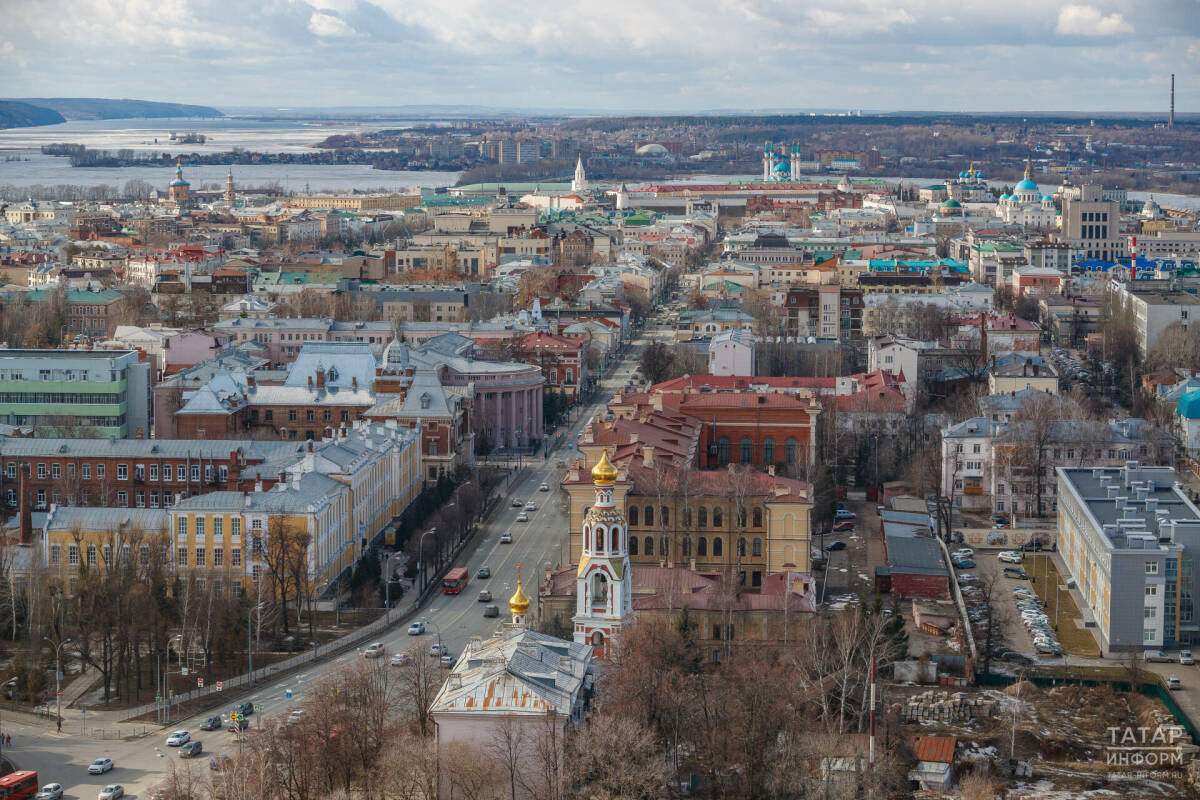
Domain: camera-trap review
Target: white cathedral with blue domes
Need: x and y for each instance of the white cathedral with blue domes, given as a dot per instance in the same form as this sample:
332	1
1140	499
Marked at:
1027	206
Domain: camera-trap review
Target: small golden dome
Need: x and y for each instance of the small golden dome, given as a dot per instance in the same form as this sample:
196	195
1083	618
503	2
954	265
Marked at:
604	471
518	603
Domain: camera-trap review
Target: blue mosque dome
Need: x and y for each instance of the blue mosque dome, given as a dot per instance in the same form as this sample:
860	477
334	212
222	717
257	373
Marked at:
1027	186
782	167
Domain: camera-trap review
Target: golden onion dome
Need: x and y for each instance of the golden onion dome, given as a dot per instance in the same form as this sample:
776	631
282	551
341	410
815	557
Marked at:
604	471
518	603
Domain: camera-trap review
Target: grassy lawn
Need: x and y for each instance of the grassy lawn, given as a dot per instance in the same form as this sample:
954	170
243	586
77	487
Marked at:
1075	640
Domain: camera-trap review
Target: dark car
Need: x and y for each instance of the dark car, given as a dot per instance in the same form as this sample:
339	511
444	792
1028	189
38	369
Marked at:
242	725
491	611
191	749
1000	521
847	525
244	708
483	572
1016	574
211	724
835	546
1019	658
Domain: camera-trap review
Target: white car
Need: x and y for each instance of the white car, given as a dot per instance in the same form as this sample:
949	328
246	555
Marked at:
545	487
1185	657
112	792
400	660
531	506
100	766
962	552
506	538
51	791
178	738
416	629
1011	556
296	716
374	650
437	649
522	517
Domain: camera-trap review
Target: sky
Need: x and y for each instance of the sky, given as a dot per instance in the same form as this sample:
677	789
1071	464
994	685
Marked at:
610	55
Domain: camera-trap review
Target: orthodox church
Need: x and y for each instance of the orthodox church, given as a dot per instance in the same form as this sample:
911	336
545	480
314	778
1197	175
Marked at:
1027	206
604	581
179	190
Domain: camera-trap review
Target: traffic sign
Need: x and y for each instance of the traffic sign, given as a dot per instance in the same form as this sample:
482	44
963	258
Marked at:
200	682
58	693
219	687
257	708
183	671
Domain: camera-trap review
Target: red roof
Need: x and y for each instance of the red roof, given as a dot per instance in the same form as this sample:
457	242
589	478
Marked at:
939	749
731	382
744	400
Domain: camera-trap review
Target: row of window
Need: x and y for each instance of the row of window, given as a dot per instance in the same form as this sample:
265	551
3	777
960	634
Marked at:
645	516
309	415
77	398
702	547
182	472
84	498
93	553
40	420
199	524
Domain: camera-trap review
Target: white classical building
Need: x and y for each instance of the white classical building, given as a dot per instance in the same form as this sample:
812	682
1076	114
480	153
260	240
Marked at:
1027	206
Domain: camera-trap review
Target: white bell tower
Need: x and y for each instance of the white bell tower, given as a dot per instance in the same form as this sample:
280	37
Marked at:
579	184
603	584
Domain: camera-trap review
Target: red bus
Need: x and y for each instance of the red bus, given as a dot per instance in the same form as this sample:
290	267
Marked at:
19	785
455	581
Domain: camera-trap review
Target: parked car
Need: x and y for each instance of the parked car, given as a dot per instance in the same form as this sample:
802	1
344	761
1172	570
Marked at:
178	738
833	547
484	596
1174	683
416	629
51	791
297	715
491	611
400	660
517	502
1016	574
437	649
964	563
1011	556
112	792
100	766
211	724
1048	649
483	572
506	537
545	487
963	552
522	517
1185	657
447	661
191	749
1000	521
844	513
1156	655
374	650
847	525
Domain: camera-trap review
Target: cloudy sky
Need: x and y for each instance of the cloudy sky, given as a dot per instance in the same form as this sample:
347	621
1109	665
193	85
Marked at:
1113	55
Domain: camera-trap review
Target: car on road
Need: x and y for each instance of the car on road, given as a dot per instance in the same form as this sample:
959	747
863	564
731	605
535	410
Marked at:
219	763
1185	657
491	611
416	629
437	649
112	792
1011	556
847	525
1174	683
100	766
522	517
531	506
1156	655
964	563
244	708
833	547
51	791
545	487
400	660
178	738
506	538
844	513
1000	521
242	725
191	749
483	572
484	596
447	661
374	650
517	502
210	724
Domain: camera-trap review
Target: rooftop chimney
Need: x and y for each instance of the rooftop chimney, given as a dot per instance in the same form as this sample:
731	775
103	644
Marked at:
320	378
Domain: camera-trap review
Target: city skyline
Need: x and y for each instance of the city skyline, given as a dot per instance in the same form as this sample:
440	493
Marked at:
669	57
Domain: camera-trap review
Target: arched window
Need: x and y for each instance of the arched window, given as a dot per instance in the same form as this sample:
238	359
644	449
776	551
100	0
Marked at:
768	450
723	450
718	517
633	515
702	547
599	538
717	546
747	450
792	452
649	516
757	546
616	539
633	545
649	545
757	518
687	547
742	546
597	639
701	517
664	517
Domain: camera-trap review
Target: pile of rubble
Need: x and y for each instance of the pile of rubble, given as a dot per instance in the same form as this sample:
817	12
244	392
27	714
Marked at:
942	706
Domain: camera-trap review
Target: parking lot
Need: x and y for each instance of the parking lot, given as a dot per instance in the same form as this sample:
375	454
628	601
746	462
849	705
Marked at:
1006	614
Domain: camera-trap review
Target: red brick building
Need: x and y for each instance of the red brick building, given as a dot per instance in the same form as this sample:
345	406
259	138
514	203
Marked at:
563	360
754	428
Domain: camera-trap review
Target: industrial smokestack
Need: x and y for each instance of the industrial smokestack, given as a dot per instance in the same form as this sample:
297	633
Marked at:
1171	117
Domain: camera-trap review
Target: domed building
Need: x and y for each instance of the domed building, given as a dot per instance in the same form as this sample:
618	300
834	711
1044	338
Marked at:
1027	206
779	165
652	150
179	190
1151	210
951	208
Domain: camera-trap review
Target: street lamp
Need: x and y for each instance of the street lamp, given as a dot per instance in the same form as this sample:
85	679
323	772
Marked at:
421	558
249	639
58	676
